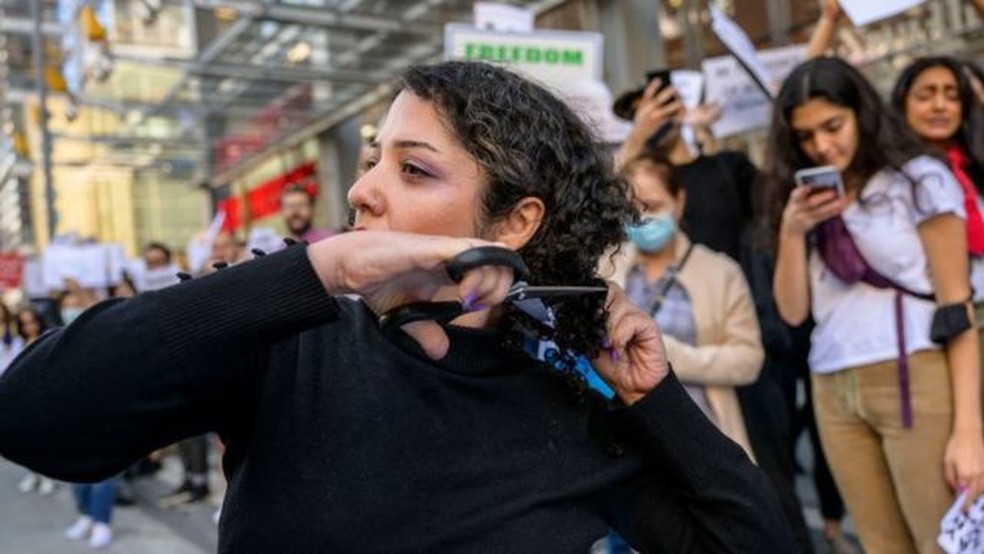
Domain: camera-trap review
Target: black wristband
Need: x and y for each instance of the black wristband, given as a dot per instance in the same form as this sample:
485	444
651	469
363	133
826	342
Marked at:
949	321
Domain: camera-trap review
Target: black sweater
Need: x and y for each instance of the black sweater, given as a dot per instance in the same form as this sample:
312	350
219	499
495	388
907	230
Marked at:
342	440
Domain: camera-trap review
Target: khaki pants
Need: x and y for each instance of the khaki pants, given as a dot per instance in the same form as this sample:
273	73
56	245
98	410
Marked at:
891	478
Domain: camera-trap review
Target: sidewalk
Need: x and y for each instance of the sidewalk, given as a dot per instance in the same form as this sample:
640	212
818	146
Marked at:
34	524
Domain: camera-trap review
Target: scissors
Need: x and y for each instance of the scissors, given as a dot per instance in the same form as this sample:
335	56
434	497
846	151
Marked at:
456	267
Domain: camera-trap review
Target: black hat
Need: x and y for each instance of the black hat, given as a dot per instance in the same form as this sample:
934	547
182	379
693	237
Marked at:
625	105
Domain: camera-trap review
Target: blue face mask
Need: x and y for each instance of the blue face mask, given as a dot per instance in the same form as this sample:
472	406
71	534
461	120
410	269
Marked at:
69	315
653	233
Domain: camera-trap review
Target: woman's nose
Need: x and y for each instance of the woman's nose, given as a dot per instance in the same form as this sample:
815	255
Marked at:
364	195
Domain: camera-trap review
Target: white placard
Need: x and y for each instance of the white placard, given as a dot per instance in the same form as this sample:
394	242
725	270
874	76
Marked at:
263	238
157	278
32	280
546	56
863	12
689	85
740	46
503	17
743	105
963	533
592	101
86	264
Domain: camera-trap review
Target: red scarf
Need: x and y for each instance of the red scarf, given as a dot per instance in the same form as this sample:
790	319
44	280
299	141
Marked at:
975	224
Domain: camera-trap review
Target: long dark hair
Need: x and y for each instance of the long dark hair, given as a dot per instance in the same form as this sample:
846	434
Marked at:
884	141
529	143
970	135
42	325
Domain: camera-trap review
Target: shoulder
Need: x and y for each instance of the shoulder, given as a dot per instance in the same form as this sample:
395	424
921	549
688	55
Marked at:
713	268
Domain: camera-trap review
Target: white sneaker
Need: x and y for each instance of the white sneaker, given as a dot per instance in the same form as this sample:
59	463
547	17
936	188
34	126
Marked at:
80	529
101	536
28	483
47	486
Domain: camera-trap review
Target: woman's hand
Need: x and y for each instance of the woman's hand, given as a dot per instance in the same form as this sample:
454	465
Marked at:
656	109
389	269
806	208
963	464
634	360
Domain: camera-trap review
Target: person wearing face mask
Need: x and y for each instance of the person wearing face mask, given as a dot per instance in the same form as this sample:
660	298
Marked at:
882	268
719	183
94	501
699	298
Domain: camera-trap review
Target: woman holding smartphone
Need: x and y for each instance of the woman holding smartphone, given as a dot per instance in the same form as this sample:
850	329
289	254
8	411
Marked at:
891	404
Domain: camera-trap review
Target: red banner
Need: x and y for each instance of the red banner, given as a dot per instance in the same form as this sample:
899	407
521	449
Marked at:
233	209
264	199
11	270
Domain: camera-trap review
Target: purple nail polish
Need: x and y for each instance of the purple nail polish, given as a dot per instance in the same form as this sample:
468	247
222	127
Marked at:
469	300
477	307
606	342
615	356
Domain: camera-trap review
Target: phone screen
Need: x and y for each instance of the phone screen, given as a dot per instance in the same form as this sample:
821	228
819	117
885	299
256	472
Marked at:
820	178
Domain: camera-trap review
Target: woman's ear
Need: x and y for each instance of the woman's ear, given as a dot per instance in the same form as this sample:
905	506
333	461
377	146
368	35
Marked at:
516	229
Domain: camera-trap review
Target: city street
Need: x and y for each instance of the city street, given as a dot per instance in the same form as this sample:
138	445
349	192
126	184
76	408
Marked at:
34	524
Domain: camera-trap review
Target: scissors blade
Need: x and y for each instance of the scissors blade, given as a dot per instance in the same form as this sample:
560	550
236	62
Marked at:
522	293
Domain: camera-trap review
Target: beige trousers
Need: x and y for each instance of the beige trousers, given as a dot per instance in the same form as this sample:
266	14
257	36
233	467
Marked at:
891	478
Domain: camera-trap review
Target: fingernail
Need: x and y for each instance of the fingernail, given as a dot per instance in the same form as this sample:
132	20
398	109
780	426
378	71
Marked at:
606	342
615	356
469	300
477	307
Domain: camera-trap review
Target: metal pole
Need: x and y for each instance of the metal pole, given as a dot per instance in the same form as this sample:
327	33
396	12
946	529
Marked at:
37	43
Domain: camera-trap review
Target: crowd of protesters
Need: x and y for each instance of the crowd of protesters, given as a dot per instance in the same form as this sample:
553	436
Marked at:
850	312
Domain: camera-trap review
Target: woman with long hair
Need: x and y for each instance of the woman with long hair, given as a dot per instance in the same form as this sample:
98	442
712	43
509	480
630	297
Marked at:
30	326
935	98
896	405
351	428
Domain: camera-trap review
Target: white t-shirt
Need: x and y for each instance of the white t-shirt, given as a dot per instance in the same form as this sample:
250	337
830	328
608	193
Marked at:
855	324
977	264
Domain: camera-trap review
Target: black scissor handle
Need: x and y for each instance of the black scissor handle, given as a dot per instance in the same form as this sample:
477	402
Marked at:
486	255
443	312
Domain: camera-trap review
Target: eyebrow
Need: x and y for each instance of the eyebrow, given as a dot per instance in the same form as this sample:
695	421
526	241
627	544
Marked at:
408	144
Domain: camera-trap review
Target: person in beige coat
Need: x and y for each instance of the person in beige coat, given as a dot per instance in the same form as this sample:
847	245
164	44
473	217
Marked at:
699	297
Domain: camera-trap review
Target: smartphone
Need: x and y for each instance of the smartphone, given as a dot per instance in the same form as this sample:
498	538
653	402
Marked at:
665	79
821	178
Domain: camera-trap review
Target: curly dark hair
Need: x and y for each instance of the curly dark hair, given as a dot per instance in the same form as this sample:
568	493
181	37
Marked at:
884	141
970	135
530	144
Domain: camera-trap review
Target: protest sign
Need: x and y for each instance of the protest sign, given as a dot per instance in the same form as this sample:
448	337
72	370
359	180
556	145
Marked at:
863	12
743	105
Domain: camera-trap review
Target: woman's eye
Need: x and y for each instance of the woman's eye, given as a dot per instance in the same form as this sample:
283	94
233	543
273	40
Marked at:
414	170
369	163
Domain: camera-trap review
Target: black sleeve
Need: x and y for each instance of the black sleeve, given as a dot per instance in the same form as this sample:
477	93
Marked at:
700	492
129	376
